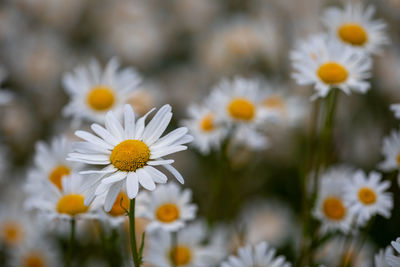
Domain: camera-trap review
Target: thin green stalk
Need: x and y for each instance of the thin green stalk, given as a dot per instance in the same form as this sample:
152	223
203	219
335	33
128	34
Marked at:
71	243
137	258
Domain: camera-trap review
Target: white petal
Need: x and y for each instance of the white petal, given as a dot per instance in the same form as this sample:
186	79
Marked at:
140	125
175	173
145	180
93	139
132	185
160	162
118	176
166	151
112	196
103	133
129	122
114	126
156	175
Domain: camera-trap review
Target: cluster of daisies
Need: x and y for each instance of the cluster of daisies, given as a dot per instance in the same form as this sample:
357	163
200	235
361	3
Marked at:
239	113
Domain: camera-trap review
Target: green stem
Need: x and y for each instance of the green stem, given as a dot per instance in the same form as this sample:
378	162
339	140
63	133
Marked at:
136	257
71	243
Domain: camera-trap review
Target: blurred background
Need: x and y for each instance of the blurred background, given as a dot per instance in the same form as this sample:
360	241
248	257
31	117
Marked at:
182	48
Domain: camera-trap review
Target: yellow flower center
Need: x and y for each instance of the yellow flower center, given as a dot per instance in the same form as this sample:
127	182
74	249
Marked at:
71	204
353	33
398	159
34	259
332	73
130	155
167	213
180	255
273	102
242	109
207	123
11	233
333	208
57	174
101	98
121	204
367	196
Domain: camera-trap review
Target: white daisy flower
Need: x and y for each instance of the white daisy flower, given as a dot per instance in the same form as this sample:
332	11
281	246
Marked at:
94	91
354	26
65	204
331	208
267	220
391	152
259	255
326	63
207	129
129	153
189	250
394	261
13	225
238	103
381	256
168	207
51	164
367	196
36	251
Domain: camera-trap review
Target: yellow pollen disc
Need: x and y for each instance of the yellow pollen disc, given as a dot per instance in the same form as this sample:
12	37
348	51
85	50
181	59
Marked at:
353	33
121	204
367	196
130	155
180	255
333	208
398	159
101	98
11	233
71	204
57	174
242	109
34	259
273	102
207	123
167	213
332	73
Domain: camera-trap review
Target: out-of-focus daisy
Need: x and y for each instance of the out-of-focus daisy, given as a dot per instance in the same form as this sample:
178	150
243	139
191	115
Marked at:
326	63
396	109
391	152
95	91
267	220
289	109
238	103
394	261
259	255
355	26
381	256
65	204
168	207
368	196
13	225
50	162
129	153
207	129
117	215
36	251
331	208
189	250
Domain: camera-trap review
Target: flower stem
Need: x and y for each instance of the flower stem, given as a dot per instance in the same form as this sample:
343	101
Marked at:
137	259
71	243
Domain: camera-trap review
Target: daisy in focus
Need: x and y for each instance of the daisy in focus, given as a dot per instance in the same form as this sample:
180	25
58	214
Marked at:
326	63
354	26
331	208
391	153
95	91
129	154
207	129
368	196
259	255
189	250
168	207
394	261
66	204
51	164
238	103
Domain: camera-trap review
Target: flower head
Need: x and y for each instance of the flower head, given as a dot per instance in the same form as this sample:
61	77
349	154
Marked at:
129	153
